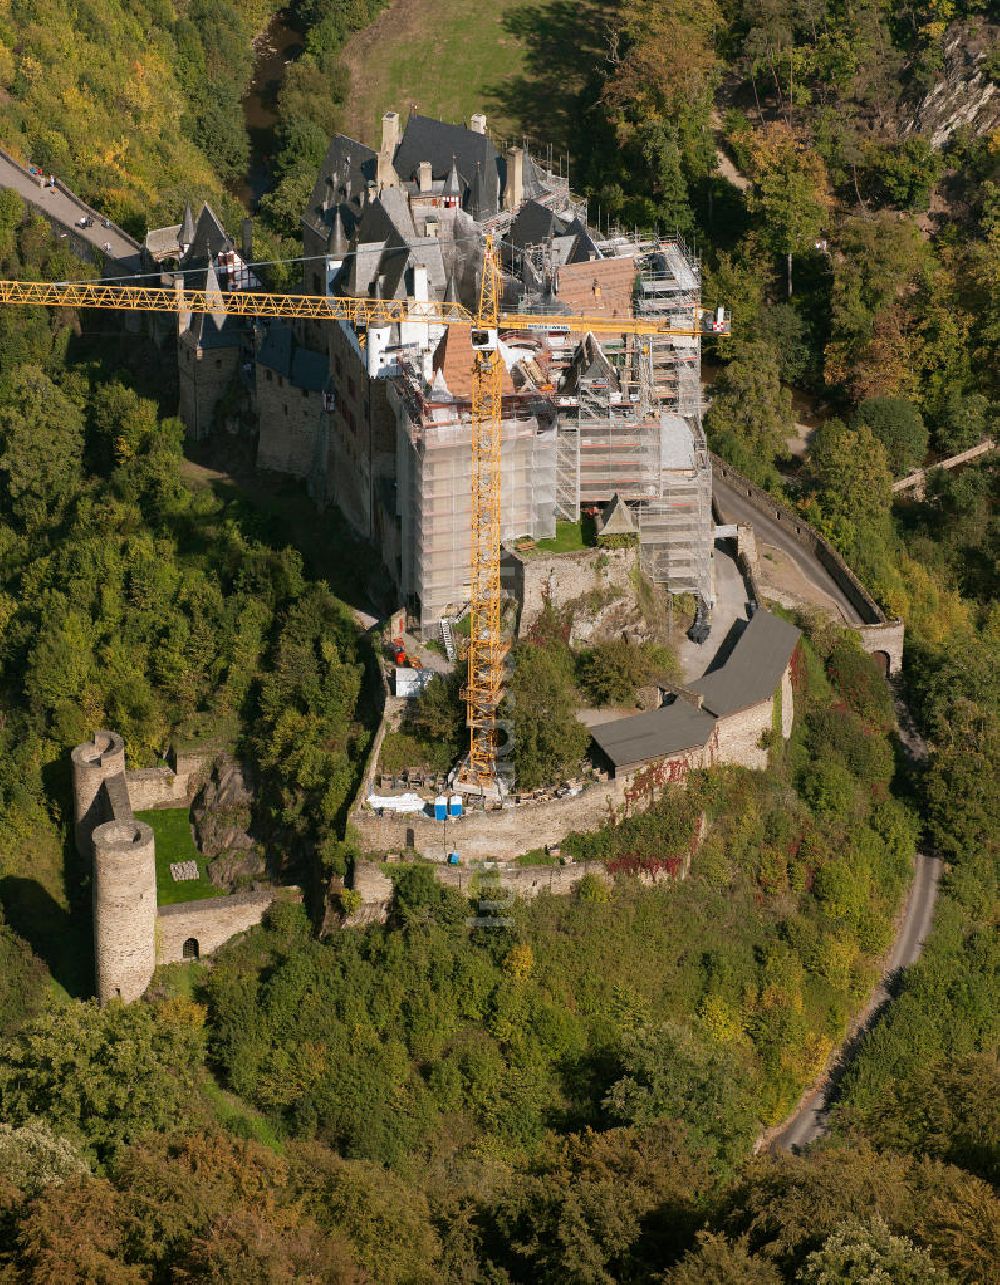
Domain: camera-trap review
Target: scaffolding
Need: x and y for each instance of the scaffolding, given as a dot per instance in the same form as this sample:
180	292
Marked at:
630	422
434	490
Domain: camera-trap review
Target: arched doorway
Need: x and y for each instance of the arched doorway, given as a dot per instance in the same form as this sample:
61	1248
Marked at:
881	658
190	948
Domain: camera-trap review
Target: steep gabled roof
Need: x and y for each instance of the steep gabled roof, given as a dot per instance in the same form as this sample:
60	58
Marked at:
436	141
534	224
399	256
349	166
210	239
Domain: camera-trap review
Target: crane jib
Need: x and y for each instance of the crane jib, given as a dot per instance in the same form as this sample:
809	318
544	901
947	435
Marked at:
369	313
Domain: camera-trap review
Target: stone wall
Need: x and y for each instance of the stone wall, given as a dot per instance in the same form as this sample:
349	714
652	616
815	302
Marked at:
290	425
876	632
163	787
737	737
523	881
561	578
212	922
491	836
205	375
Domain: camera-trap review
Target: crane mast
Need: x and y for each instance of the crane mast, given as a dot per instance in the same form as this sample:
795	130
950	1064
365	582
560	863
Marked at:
483	690
484	685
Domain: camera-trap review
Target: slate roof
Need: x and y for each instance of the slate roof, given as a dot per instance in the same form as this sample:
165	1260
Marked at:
754	668
350	166
400	255
281	352
210	239
425	139
533	224
671	729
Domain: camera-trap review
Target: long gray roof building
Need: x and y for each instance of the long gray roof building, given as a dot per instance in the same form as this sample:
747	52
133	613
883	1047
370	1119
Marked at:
750	675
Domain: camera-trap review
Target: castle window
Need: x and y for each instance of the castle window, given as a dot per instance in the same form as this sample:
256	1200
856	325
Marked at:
281	382
267	375
190	948
218	363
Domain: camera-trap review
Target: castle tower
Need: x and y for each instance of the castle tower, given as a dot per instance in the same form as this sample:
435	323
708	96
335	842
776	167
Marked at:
124	909
94	763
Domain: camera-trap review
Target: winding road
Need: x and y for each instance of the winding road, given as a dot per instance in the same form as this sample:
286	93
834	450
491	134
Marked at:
809	1119
734	507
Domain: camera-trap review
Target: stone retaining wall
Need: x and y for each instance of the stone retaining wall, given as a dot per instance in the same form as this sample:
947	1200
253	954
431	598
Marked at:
561	578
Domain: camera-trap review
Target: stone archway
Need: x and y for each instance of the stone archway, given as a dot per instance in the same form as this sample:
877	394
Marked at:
190	948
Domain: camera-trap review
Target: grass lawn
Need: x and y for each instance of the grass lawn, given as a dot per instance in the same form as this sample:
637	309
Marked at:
522	62
174	842
569	538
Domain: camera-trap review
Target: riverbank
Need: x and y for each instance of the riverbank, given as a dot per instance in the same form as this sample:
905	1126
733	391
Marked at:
275	48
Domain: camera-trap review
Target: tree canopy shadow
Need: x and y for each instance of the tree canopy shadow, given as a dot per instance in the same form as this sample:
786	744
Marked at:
566	48
61	939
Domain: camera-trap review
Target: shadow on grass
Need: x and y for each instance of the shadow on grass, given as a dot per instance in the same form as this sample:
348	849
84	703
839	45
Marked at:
566	47
62	940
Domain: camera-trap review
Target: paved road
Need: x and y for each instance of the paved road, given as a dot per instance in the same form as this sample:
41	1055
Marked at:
736	508
732	597
67	209
810	1118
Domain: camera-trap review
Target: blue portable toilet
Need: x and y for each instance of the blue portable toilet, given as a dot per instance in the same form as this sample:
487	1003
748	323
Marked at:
455	805
440	808
453	858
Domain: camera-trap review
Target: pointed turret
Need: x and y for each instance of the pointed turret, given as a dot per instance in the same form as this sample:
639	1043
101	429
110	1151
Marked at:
479	201
453	185
336	245
187	228
214	292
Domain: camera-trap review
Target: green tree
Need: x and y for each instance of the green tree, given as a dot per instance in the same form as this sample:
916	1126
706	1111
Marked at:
848	476
548	741
750	417
900	428
868	1253
102	1076
41	449
788	191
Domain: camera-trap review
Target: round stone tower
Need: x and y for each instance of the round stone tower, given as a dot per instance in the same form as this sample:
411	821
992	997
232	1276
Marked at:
93	764
124	909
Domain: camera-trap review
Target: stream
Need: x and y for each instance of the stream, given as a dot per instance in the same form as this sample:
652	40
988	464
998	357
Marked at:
276	47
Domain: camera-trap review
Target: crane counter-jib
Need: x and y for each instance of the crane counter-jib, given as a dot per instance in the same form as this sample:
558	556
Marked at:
260	303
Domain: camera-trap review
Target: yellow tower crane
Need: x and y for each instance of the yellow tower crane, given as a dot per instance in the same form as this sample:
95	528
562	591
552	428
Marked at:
484	684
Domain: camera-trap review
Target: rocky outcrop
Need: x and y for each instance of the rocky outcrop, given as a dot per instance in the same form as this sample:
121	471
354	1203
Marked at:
963	95
222	813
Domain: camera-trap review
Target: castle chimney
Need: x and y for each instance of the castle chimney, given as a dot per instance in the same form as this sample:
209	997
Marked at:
424	176
478	123
385	173
514	192
390	133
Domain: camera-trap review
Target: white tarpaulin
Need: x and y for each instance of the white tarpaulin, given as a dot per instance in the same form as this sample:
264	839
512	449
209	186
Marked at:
397	802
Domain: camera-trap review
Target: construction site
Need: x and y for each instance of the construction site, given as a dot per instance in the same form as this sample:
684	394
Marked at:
386	433
472	374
